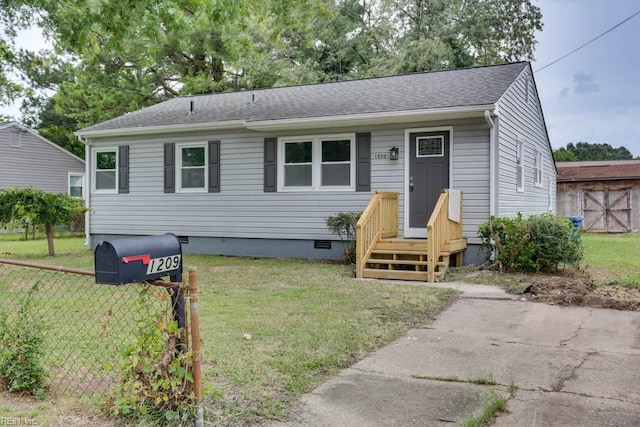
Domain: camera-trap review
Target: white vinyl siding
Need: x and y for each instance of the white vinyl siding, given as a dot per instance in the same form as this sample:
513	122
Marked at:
523	121
244	210
38	163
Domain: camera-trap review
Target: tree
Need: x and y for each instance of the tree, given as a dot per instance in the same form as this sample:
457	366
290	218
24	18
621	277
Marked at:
114	57
19	206
591	151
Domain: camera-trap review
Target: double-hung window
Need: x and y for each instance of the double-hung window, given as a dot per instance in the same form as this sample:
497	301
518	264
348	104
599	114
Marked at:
537	169
519	166
76	184
317	163
105	161
192	167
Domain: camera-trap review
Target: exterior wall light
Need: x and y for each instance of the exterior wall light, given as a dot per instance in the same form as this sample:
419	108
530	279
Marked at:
393	153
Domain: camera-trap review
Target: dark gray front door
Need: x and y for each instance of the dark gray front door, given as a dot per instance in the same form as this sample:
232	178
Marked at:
428	173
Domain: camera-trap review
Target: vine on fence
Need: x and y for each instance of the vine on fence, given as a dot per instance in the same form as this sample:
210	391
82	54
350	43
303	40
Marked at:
157	380
22	339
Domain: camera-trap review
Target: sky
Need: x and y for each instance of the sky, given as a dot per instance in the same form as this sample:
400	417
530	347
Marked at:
593	95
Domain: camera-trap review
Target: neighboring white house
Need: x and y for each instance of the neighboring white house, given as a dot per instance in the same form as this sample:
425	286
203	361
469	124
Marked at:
29	160
257	172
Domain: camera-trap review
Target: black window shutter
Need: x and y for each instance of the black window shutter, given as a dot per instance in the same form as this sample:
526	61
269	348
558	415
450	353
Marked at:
363	161
169	168
214	166
123	169
270	165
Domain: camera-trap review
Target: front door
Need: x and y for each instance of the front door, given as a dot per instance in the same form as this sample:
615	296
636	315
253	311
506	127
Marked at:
428	173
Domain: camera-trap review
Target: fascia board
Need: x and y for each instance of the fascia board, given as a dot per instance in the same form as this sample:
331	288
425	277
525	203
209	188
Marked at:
370	119
154	130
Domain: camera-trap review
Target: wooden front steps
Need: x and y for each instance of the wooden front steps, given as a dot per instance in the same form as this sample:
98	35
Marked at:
407	259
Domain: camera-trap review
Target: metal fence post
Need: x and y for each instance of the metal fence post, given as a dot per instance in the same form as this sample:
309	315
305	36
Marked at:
195	343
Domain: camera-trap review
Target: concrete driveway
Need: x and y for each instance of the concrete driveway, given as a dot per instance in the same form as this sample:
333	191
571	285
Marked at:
555	366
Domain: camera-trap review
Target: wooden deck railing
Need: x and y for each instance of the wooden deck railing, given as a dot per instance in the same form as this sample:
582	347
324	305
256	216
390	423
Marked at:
379	220
440	230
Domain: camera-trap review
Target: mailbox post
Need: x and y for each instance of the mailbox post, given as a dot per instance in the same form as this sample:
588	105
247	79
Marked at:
142	259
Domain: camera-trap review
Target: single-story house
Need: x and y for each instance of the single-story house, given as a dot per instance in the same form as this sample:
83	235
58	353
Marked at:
257	172
605	193
29	160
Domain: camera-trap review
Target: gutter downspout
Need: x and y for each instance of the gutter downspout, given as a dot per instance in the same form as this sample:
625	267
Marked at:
87	190
492	163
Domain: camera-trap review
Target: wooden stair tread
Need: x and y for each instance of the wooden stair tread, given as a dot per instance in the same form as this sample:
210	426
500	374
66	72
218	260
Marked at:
396	261
373	273
397	252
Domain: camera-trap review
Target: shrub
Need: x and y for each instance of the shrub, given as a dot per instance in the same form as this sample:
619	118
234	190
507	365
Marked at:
21	350
343	224
538	243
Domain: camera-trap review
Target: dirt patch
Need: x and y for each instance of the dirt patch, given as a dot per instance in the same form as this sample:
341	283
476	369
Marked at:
569	287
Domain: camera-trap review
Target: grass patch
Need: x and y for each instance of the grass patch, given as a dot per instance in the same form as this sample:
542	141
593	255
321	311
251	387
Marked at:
612	257
273	329
494	405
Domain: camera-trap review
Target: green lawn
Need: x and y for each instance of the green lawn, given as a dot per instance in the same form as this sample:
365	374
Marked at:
274	329
613	257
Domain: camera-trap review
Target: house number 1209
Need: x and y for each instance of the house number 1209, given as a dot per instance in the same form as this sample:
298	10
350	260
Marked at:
160	265
380	155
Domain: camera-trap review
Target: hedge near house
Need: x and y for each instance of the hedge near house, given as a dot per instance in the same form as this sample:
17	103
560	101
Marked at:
537	243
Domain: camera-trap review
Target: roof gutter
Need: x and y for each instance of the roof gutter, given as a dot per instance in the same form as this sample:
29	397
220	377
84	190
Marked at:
389	117
154	130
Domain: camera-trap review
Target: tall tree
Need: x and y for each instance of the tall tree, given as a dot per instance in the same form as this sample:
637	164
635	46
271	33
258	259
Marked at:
116	56
591	151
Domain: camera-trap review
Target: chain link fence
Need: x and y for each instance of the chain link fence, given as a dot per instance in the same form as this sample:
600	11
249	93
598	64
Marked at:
85	324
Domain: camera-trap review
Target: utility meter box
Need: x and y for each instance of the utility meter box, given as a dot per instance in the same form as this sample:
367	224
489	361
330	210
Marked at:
137	259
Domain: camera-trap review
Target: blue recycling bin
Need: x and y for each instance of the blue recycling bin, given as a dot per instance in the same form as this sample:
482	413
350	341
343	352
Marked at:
576	220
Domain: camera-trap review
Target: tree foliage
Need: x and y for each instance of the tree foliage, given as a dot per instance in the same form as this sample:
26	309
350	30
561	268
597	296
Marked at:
20	206
590	151
112	57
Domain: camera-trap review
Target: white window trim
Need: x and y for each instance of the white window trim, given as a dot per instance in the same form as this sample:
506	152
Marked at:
75	174
94	155
538	169
15	139
520	159
316	174
179	148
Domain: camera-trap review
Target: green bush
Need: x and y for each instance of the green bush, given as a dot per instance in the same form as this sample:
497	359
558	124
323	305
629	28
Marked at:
537	243
21	350
343	224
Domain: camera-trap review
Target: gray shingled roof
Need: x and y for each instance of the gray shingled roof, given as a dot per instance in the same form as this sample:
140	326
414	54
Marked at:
466	87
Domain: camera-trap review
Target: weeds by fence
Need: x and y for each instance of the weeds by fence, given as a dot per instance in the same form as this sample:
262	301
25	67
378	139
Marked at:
85	325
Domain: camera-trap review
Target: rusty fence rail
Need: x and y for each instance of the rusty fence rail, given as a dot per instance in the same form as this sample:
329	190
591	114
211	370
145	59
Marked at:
85	324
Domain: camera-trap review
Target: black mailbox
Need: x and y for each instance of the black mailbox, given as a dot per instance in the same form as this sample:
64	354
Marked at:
137	259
